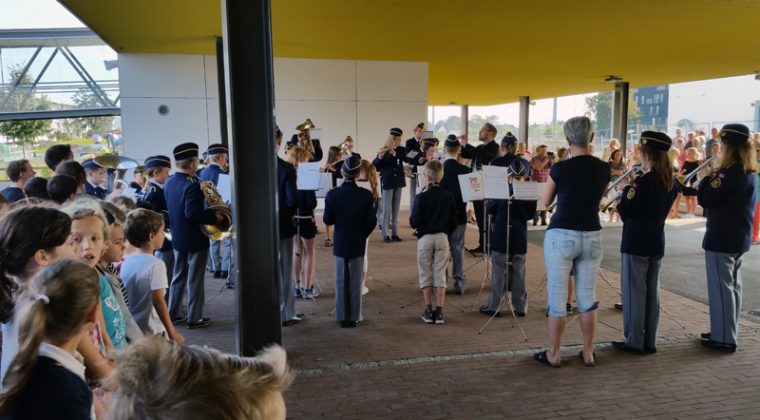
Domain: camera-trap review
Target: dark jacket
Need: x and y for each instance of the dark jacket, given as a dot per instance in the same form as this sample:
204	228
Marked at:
307	202
351	209
287	196
413	144
154	194
317	151
98	192
187	212
391	168
434	212
519	214
450	182
729	196
13	194
52	392
643	207
481	154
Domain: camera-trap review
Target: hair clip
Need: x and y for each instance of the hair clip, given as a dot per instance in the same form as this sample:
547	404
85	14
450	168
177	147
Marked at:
41	297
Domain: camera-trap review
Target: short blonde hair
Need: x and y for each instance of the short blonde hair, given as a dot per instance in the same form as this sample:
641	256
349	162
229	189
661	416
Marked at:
434	170
159	379
84	207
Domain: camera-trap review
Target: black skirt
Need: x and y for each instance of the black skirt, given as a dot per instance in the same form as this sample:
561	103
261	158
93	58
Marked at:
306	228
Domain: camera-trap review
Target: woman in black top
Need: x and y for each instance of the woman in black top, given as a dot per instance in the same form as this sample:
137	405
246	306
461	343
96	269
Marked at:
573	239
688	191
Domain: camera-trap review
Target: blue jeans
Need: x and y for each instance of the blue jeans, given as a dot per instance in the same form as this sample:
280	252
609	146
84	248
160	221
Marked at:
581	252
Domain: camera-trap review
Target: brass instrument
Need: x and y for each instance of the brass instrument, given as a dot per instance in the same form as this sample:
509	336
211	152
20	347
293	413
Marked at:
215	203
620	184
304	139
686	179
115	162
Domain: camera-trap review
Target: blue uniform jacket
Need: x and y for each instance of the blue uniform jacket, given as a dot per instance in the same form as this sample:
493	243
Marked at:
13	194
351	209
520	213
643	207
391	168
287	198
95	191
186	206
729	196
450	182
154	194
211	173
434	212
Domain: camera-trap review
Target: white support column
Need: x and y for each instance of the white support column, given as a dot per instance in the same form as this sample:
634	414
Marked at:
524	119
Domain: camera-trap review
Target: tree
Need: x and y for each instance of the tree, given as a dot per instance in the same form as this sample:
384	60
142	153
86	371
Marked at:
85	98
600	111
24	132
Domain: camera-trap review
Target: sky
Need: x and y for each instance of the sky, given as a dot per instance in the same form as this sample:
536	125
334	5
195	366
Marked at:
18	14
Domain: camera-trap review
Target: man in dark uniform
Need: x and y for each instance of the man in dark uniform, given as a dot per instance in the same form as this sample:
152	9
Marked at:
729	195
158	168
481	155
18	171
351	210
518	213
414	144
452	168
185	203
221	251
94	175
287	196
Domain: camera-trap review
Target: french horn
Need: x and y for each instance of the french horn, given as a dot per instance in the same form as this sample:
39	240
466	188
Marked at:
215	202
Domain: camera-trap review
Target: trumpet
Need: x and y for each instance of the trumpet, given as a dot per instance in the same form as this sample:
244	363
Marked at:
628	177
686	179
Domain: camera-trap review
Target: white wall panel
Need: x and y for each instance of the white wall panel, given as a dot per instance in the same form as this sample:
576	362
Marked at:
303	79
161	76
392	81
148	133
377	118
336	119
212	85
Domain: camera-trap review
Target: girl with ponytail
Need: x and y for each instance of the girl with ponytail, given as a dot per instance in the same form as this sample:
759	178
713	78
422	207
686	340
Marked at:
31	238
45	379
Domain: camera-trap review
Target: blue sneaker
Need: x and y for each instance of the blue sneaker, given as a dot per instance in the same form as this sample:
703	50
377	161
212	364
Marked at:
298	293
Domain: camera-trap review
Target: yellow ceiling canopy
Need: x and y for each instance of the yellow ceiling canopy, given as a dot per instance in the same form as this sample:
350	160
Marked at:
479	52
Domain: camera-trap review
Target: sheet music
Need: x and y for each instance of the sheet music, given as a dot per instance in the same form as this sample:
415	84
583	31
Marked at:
526	190
325	184
495	184
224	186
130	192
471	186
308	176
412	154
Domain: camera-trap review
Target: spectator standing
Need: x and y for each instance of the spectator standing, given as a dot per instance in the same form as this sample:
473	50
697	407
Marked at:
540	165
18	172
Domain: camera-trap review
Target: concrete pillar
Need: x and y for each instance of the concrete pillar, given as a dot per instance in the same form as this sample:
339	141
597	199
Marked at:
248	72
620	115
524	120
465	116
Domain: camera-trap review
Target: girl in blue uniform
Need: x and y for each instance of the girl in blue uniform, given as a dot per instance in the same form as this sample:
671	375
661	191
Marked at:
644	206
729	196
389	162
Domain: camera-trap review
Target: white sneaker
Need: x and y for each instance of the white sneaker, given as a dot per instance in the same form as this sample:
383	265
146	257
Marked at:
365	290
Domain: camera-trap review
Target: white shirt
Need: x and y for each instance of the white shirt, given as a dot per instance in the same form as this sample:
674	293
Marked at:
142	274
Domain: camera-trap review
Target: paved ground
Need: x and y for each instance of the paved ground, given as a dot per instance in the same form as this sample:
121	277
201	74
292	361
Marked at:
395	366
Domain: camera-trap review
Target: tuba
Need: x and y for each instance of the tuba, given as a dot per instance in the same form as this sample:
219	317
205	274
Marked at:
215	202
304	139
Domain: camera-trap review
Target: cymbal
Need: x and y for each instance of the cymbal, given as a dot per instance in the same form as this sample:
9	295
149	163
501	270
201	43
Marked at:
116	162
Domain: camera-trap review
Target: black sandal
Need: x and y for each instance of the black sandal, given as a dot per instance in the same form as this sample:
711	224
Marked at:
544	359
583	359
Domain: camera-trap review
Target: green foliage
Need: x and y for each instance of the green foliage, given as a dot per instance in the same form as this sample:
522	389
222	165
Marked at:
87	126
23	132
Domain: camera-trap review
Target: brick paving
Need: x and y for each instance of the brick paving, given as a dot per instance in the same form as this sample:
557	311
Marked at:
395	366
